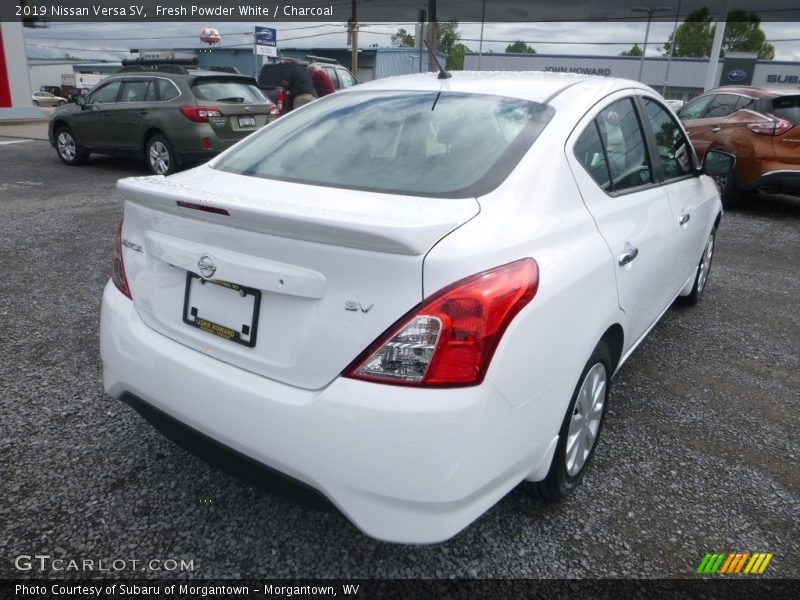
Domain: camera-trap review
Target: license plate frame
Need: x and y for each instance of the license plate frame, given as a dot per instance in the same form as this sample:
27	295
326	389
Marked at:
192	314
247	121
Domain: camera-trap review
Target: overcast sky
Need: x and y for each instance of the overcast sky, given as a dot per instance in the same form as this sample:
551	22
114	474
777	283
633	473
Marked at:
112	41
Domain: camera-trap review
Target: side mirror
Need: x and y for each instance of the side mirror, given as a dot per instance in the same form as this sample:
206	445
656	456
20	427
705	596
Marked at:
80	101
718	162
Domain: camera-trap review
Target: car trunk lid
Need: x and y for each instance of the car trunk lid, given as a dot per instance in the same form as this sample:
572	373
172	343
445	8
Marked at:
286	280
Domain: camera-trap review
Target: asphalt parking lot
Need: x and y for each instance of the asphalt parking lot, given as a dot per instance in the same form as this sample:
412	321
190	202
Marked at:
700	452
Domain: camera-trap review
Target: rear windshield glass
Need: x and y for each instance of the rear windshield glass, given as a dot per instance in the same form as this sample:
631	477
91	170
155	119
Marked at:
787	107
226	90
415	143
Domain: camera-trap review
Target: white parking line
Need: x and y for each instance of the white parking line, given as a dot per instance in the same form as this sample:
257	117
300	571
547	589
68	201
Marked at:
14	142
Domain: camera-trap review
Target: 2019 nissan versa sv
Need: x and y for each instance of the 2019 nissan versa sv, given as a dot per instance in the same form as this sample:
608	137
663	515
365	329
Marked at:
413	295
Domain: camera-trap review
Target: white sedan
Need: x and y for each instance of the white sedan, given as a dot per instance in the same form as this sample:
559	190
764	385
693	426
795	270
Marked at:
412	295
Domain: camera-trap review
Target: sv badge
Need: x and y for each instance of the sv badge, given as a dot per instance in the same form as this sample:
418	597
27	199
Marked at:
353	306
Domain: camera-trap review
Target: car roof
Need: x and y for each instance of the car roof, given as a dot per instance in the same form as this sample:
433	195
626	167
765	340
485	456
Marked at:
535	86
756	92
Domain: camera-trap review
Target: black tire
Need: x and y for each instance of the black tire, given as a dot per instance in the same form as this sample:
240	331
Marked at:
62	102
160	156
703	272
68	149
566	474
731	194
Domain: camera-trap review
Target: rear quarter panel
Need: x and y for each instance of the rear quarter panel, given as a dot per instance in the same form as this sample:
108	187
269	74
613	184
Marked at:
537	212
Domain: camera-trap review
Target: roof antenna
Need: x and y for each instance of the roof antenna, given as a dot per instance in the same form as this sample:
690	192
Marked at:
442	73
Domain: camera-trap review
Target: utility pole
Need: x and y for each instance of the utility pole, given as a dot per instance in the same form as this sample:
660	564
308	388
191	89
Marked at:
432	35
352	38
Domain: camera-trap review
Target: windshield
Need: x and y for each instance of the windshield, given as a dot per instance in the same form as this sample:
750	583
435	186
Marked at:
415	143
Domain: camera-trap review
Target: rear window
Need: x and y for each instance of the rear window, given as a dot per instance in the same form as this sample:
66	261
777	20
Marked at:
413	143
787	107
215	89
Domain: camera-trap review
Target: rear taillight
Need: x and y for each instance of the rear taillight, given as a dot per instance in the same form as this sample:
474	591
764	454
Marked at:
274	111
775	126
280	100
449	340
200	114
118	275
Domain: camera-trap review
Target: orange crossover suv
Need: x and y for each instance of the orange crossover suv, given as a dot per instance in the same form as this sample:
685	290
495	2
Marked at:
760	126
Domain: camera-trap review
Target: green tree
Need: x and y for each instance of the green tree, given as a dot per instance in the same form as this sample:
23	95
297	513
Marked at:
520	48
448	41
403	39
695	36
636	50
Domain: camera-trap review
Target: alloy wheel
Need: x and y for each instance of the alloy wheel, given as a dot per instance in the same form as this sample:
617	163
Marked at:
585	422
705	264
159	157
66	146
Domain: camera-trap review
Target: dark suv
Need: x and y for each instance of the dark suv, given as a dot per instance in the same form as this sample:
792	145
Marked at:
169	114
272	74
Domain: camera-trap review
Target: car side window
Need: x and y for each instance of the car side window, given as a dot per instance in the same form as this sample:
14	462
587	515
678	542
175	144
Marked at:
722	106
624	145
332	74
612	149
695	108
589	151
166	91
744	102
134	91
674	151
151	95
346	79
104	94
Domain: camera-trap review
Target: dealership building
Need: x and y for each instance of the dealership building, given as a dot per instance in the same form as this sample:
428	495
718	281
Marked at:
677	78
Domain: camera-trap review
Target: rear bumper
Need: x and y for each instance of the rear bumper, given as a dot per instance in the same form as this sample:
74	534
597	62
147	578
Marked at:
781	180
405	465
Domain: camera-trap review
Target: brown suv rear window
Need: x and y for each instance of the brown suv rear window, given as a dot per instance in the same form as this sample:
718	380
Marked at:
787	107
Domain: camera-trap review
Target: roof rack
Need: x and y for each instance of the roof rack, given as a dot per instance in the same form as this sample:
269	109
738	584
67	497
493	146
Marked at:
165	65
322	59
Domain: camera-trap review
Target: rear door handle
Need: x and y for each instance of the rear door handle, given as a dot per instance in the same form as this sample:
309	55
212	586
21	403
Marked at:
715	129
628	256
684	218
142	112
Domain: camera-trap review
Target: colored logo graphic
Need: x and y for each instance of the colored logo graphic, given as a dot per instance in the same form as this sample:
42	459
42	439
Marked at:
734	563
737	75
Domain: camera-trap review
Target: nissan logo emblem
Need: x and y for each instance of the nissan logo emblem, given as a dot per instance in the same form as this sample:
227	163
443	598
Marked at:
206	266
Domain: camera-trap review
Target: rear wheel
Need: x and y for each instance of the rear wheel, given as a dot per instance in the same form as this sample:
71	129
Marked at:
160	155
703	271
731	194
67	147
581	427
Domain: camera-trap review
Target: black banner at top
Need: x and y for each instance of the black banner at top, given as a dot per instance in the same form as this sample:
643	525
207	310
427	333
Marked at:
385	11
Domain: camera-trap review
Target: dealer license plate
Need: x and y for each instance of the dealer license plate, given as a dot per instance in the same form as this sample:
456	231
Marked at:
224	309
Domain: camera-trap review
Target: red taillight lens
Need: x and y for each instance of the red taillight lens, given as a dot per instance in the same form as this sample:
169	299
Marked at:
118	275
449	340
775	126
280	100
274	111
200	114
